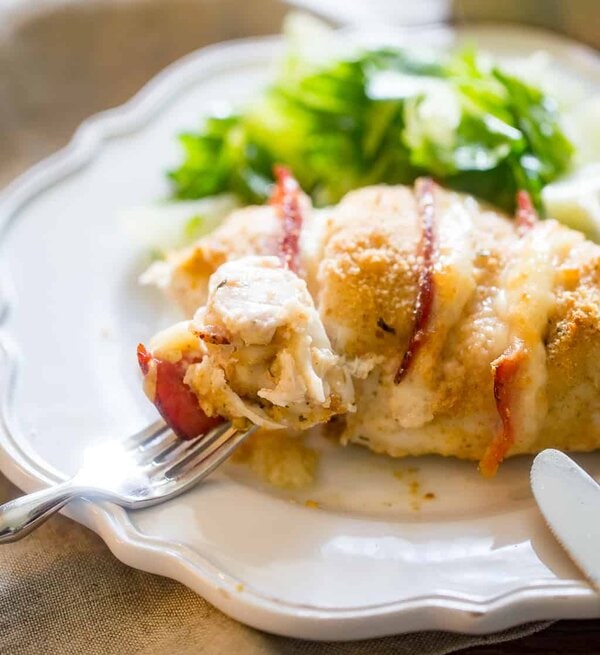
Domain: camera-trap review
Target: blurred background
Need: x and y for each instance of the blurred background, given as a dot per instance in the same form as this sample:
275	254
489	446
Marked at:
63	60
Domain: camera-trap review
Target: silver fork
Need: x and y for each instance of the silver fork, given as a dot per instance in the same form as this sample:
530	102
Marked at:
145	469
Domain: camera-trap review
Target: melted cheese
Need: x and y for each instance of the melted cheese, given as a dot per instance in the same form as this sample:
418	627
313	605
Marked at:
526	301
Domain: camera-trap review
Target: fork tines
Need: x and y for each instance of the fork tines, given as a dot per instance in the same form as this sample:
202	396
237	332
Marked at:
160	452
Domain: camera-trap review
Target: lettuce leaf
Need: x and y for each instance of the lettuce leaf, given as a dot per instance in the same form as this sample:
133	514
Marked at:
382	116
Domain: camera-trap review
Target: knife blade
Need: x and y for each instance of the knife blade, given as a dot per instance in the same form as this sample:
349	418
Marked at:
569	500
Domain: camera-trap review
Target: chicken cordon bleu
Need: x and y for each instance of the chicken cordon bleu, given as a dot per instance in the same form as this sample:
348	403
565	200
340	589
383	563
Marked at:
413	320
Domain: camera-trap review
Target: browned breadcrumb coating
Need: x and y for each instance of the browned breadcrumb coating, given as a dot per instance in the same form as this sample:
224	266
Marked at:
369	270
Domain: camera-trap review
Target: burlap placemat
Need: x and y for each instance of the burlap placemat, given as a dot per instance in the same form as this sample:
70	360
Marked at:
61	590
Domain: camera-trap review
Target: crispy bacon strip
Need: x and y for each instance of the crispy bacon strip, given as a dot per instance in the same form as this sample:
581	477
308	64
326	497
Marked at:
174	400
286	198
424	192
505	369
526	215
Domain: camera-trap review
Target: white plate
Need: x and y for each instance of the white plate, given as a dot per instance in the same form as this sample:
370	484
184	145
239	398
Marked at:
476	559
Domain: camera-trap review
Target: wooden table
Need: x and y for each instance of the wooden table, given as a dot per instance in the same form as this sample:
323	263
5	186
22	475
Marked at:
561	638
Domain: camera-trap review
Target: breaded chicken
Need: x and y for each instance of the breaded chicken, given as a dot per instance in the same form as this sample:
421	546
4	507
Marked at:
503	356
265	356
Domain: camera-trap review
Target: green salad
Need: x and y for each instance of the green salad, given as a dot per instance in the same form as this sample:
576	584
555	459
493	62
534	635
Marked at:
382	115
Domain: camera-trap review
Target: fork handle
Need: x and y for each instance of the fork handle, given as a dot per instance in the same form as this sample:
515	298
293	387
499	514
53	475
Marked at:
22	515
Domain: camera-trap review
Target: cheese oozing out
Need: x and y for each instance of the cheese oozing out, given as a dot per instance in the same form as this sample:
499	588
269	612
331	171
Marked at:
525	303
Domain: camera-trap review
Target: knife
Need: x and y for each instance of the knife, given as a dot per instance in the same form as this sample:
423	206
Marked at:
569	500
